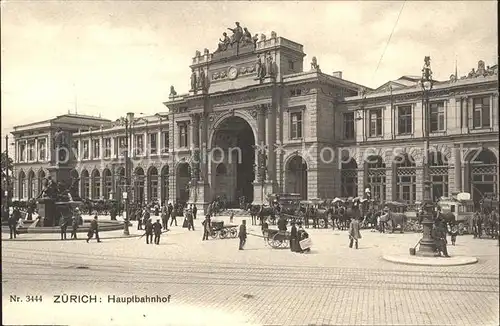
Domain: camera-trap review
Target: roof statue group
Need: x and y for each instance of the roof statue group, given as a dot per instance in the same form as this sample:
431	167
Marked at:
241	37
480	72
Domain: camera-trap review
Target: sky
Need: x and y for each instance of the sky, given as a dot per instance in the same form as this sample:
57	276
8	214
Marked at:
115	57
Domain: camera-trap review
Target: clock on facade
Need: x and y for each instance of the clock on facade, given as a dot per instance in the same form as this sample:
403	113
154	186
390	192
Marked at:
232	73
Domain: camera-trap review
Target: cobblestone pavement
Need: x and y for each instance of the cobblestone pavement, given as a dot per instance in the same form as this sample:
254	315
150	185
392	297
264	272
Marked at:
213	283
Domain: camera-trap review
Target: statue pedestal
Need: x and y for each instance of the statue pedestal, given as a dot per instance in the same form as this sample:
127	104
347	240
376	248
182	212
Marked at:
260	192
47	211
199	196
60	174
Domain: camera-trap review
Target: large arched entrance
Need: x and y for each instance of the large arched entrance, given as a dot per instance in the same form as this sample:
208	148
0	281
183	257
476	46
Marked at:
483	174
296	176
232	160
349	178
183	178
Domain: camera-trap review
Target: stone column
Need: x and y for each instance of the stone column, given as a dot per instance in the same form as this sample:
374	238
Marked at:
101	148
36	149
204	147
49	148
195	146
394	181
458	168
261	138
271	139
159	146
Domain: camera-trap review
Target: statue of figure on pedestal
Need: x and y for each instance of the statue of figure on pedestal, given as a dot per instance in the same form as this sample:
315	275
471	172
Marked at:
172	91
314	64
247	37
60	145
261	73
193	81
202	80
269	65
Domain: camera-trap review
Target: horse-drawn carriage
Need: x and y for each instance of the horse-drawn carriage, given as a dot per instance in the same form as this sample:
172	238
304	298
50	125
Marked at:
458	209
221	231
395	215
277	239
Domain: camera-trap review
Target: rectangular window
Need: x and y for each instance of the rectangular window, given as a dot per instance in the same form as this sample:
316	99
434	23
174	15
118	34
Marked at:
296	125
437	117
139	144
375	123
404	120
349	125
183	135
153	144
31	151
290	65
42	149
76	149
481	112
86	151
22	152
96	149
165	142
107	147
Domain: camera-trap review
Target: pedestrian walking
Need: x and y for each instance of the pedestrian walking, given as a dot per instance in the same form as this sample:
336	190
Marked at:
149	231
138	216
157	231
94	229
13	218
206	227
231	217
439	234
173	217
454	233
74	227
164	217
190	222
195	210
265	230
243	234
63	223
354	234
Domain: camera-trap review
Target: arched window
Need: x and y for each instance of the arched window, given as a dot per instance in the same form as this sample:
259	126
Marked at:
164	184
107	178
22	185
96	184
406	175
349	178
375	177
139	185
85	182
152	185
31	184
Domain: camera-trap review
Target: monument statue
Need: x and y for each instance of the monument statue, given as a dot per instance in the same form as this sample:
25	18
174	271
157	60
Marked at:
172	91
269	65
193	81
314	64
255	40
247	37
201	80
237	33
60	143
223	43
197	54
480	68
259	68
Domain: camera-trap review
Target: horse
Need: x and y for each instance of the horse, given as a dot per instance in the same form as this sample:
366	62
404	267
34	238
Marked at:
341	218
370	219
395	219
262	212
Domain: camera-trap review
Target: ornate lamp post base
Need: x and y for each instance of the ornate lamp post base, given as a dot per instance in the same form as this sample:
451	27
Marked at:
427	246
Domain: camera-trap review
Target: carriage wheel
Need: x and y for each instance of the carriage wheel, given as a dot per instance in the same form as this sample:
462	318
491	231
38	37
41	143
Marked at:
233	233
223	234
214	234
321	223
278	241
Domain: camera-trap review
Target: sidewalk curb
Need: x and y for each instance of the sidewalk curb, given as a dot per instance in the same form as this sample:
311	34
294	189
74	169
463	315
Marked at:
79	239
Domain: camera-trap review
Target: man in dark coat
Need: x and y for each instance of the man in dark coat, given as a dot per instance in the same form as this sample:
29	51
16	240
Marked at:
439	235
138	216
265	230
63	223
173	215
243	234
189	218
293	238
206	227
157	231
282	224
195	210
13	219
74	226
149	231
354	234
93	229
164	217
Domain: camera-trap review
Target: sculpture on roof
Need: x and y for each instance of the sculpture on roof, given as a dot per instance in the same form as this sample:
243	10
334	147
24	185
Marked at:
193	81
237	33
197	54
314	64
255	40
172	91
480	68
201	80
223	43
269	65
261	72
426	70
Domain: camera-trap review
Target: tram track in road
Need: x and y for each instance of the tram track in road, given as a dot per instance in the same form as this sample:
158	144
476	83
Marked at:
104	259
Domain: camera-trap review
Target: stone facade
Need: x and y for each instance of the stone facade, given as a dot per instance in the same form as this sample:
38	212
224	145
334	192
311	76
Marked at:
326	137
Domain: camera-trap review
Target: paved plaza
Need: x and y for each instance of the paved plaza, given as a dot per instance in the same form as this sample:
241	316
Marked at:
213	283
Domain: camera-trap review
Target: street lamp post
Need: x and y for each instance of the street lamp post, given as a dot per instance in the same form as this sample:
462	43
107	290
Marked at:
427	243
